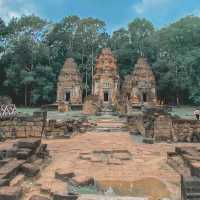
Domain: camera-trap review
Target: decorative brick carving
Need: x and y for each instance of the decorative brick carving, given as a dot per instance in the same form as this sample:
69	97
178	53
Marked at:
139	88
106	78
69	89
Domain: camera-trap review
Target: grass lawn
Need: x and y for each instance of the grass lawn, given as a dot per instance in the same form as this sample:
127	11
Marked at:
185	112
63	116
27	110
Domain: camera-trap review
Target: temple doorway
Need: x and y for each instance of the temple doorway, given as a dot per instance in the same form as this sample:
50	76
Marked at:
106	95
144	97
67	96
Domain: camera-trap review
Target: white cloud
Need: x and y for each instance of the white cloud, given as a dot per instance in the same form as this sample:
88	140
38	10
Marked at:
196	12
16	8
146	6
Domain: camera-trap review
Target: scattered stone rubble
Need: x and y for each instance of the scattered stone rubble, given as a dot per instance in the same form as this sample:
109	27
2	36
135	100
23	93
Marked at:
37	126
22	126
74	179
71	178
67	128
18	162
37	197
186	160
157	123
111	157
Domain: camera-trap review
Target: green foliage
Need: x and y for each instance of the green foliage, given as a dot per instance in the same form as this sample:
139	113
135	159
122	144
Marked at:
30	60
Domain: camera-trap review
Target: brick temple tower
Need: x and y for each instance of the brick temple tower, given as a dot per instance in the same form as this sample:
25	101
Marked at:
140	87
106	79
69	87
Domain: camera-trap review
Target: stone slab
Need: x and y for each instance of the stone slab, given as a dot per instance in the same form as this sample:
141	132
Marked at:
31	143
102	197
10	193
30	170
10	169
37	197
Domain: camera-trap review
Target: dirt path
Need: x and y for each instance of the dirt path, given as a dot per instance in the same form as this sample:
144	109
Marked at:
147	170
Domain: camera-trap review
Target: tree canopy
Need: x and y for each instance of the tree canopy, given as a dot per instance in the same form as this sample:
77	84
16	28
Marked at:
33	50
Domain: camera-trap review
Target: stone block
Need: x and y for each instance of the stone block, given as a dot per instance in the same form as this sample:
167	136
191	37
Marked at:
85	156
4	182
11	152
63	174
10	193
114	161
17	180
30	170
148	140
122	155
195	169
64	196
10	169
171	154
96	159
24	153
37	197
31	143
82	180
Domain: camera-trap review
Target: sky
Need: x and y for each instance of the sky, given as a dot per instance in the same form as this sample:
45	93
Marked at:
116	13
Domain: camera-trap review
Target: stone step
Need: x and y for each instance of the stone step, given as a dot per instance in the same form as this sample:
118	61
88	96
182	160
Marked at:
192	190
193	182
105	129
192	196
111	125
107	113
10	169
111	121
102	197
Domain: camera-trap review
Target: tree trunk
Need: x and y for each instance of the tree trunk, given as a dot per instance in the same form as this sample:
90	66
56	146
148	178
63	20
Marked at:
25	95
30	98
86	82
92	68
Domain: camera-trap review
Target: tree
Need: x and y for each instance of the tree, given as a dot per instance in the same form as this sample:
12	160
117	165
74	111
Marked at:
80	39
2	27
33	50
176	45
140	30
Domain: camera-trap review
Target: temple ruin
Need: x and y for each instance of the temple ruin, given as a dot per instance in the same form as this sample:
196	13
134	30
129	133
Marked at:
139	88
106	79
69	88
104	151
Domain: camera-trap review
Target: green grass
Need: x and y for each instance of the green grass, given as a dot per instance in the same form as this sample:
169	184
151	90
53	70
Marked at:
63	116
185	112
27	110
90	189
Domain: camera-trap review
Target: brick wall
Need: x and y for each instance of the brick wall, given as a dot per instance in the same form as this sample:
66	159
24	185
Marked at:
176	129
19	128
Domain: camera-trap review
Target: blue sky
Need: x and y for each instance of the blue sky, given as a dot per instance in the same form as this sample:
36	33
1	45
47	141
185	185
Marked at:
116	13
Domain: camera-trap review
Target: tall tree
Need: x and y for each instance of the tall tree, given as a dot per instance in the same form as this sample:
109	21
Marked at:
140	30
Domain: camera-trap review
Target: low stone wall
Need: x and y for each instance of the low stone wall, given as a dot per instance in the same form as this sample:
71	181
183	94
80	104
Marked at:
163	128
90	105
38	126
66	128
160	125
21	127
136	123
176	129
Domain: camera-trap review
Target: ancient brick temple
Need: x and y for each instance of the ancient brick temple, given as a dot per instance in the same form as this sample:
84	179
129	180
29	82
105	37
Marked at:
106	78
139	88
69	88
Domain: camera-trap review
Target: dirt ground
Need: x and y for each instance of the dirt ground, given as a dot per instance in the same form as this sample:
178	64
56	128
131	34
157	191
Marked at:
146	174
